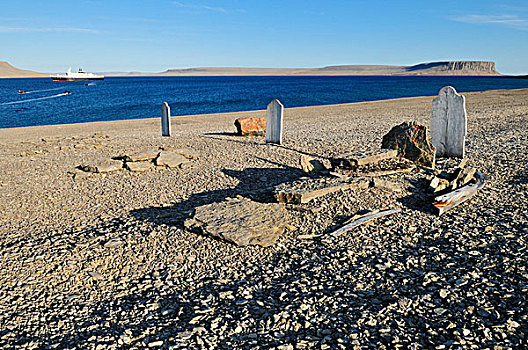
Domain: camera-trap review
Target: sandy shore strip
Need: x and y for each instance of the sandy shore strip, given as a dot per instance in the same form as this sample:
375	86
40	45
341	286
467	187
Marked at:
412	280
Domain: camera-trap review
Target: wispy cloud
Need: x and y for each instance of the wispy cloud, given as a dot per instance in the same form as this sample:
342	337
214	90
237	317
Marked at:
205	7
512	21
6	29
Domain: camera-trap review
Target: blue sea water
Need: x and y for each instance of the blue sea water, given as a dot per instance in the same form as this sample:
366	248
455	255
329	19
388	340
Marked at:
131	98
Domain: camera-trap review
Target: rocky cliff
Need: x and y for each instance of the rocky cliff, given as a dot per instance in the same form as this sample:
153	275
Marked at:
455	68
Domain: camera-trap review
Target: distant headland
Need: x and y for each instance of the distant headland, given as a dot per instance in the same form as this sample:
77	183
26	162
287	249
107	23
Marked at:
469	68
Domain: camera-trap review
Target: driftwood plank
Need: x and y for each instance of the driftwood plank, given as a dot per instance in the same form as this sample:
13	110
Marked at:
363	220
305	196
452	199
387	172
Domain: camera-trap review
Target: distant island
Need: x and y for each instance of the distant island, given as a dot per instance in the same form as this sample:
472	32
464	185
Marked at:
469	68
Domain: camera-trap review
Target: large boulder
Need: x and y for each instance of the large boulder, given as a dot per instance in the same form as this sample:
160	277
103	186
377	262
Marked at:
411	141
251	126
240	221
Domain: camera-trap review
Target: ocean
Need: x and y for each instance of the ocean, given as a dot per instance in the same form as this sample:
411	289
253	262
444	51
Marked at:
45	101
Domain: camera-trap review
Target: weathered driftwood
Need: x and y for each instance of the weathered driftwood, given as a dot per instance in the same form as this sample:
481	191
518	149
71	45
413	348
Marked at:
452	199
304	196
373	173
386	172
363	220
353	160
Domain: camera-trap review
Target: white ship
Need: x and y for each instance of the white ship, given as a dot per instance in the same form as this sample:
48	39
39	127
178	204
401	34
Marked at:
80	75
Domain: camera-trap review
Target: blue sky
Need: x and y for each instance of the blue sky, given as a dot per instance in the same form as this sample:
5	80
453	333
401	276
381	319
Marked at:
109	35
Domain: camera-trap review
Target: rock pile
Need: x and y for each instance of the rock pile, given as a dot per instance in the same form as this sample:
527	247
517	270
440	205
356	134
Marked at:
139	162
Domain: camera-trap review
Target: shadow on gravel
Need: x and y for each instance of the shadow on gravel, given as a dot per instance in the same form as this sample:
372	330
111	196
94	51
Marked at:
255	183
419	199
520	178
251	140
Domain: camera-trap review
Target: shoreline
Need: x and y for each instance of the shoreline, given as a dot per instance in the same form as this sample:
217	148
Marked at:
157	75
206	115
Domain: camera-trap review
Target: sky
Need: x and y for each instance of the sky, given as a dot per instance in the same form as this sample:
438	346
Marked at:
156	35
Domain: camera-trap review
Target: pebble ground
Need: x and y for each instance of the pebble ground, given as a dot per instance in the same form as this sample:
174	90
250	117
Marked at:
103	262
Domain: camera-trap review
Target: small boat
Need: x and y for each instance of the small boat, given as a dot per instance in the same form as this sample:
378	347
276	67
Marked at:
21	91
80	75
66	92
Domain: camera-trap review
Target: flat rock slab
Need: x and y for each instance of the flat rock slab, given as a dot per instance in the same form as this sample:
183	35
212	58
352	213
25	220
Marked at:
187	153
171	159
103	167
139	166
141	156
240	221
355	159
250	126
305	190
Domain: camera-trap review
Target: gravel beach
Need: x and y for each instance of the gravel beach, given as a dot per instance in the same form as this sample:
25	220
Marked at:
103	261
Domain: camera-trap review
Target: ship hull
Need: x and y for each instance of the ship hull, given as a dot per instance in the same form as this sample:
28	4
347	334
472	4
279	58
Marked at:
75	79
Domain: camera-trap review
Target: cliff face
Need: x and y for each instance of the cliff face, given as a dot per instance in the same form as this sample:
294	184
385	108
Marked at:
455	68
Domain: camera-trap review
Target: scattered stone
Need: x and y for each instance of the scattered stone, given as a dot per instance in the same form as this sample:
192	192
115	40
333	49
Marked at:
311	165
113	243
88	168
386	185
449	123
411	141
139	166
157	343
141	156
240	221
171	159
95	275
251	126
103	167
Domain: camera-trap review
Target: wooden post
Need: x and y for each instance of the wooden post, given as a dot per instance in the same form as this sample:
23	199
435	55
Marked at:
165	120
274	116
449	123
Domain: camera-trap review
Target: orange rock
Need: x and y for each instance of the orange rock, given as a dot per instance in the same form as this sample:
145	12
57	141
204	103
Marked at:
251	126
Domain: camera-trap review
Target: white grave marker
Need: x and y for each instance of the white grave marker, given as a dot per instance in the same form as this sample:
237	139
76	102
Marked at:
165	120
449	123
274	117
